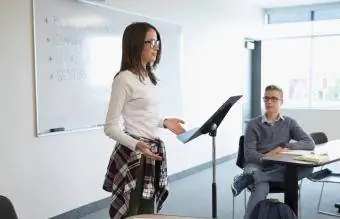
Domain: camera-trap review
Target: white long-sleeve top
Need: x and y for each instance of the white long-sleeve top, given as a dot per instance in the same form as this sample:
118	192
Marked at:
137	103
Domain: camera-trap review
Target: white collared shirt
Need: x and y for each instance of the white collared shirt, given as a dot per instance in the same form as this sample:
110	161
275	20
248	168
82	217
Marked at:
265	120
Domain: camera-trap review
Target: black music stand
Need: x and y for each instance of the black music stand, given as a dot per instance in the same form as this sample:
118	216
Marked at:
210	126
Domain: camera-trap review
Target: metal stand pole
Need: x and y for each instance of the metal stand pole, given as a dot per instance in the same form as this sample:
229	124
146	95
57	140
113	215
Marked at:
212	133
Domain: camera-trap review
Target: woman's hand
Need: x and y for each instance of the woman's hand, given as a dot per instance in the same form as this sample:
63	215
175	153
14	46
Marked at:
145	149
174	125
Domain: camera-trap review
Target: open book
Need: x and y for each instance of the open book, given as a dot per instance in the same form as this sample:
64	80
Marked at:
313	158
297	152
308	156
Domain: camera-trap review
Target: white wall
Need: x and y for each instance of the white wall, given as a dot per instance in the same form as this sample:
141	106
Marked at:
47	176
315	120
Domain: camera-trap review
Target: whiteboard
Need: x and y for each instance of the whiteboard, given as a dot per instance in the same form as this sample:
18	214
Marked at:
77	53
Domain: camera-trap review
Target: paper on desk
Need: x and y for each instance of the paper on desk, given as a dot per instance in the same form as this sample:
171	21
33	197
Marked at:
297	152
314	158
303	152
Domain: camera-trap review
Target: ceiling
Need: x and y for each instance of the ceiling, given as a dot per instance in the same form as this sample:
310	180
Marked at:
286	3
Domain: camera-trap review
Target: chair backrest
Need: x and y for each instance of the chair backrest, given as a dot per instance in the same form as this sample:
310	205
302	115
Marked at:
319	137
6	209
240	153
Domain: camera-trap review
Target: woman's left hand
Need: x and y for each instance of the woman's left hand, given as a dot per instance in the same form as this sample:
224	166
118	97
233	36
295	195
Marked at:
174	125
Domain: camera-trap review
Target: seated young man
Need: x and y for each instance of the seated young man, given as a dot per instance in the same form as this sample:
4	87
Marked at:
267	135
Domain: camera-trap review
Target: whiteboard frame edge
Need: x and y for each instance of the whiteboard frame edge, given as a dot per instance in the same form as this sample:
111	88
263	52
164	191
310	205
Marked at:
109	7
46	134
35	70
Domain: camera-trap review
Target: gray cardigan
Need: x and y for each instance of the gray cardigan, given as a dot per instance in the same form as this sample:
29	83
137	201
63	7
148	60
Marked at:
261	137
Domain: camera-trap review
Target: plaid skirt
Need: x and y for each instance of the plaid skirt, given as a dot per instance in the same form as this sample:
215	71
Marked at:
121	175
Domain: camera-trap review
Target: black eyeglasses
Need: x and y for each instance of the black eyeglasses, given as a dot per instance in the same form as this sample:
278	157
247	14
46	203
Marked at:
153	43
273	99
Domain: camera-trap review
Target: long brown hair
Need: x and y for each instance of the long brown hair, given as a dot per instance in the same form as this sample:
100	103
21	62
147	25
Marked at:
132	47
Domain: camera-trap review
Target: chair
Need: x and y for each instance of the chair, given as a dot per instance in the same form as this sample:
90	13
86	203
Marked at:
323	175
274	187
337	205
319	137
6	208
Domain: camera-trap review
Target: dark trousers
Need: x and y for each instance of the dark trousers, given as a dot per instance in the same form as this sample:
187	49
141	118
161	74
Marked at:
137	204
262	177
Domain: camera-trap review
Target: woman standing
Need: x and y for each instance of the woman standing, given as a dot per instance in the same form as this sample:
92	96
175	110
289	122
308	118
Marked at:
136	175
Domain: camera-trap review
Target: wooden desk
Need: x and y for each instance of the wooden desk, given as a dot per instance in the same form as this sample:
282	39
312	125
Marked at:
162	216
291	173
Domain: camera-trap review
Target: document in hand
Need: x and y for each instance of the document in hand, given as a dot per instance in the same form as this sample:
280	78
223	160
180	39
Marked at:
215	120
188	135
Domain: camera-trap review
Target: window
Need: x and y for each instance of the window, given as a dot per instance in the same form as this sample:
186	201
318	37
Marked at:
325	86
306	67
286	63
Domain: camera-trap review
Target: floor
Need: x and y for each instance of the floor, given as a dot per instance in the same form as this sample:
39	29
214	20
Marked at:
191	196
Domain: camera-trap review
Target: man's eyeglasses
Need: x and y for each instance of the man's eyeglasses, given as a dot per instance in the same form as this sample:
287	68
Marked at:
153	43
272	99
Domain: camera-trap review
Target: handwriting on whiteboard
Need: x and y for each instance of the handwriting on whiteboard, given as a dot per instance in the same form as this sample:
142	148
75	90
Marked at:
60	40
69	75
75	57
94	23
